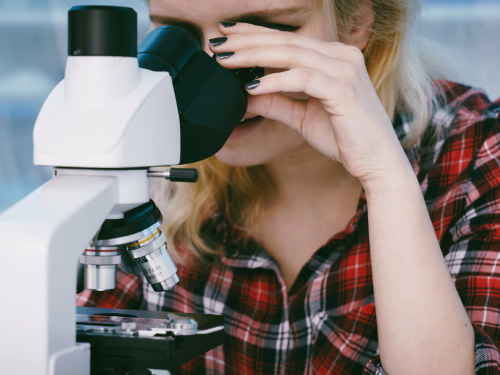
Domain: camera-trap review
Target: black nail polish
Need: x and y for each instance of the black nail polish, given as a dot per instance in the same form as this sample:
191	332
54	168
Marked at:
217	41
225	55
252	84
228	24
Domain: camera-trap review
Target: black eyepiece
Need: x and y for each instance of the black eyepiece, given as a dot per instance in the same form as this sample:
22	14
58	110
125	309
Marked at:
211	99
102	31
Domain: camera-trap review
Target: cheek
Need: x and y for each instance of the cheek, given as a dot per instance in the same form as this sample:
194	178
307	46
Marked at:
321	27
272	141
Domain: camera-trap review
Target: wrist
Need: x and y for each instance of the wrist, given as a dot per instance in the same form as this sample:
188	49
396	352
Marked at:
399	177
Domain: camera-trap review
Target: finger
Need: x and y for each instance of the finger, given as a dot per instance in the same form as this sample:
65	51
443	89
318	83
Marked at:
286	57
280	108
330	91
243	36
305	117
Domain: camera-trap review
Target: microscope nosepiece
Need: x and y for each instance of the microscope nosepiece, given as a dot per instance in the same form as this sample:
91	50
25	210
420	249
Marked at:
137	244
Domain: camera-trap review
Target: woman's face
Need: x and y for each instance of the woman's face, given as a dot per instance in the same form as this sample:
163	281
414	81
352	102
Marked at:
262	140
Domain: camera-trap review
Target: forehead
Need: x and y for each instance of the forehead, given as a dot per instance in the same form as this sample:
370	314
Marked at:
209	11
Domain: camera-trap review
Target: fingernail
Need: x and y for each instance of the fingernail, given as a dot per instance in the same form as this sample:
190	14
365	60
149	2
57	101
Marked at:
217	41
252	84
228	24
224	55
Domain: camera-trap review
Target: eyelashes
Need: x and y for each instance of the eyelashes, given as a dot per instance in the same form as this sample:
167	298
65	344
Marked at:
276	26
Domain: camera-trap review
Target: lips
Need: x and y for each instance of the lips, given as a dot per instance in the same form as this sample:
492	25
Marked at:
244	121
249	117
249	123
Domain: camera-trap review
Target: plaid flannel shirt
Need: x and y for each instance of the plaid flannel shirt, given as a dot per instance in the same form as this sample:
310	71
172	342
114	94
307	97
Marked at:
326	323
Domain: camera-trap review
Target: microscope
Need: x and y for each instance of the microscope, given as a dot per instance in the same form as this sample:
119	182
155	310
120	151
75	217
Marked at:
120	110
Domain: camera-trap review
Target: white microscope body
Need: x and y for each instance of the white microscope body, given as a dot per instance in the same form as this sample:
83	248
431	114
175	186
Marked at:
105	123
122	120
101	128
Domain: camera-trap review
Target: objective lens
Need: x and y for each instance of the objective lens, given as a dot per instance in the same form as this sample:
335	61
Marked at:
129	265
99	265
137	244
157	266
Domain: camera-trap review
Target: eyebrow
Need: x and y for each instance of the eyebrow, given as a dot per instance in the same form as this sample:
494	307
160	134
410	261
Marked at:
271	13
186	25
251	17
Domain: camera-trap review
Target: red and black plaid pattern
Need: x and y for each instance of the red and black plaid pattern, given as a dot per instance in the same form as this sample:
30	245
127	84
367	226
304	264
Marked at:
326	323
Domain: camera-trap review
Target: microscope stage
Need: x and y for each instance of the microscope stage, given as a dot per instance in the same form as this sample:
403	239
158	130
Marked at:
138	339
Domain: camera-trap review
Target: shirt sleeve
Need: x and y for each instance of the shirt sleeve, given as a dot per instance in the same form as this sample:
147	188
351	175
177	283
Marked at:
473	256
470	211
126	295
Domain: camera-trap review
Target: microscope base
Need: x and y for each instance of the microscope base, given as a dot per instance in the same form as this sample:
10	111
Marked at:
70	360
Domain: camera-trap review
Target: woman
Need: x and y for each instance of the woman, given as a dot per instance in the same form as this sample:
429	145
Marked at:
357	182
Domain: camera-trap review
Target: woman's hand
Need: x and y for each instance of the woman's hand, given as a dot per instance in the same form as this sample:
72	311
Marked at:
341	117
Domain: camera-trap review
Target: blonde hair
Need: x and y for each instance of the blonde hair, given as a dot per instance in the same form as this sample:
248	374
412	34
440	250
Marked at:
403	80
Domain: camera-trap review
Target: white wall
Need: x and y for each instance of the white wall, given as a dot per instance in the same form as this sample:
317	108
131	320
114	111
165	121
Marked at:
471	32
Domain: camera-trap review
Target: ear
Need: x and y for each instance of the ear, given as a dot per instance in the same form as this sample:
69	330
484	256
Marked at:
361	31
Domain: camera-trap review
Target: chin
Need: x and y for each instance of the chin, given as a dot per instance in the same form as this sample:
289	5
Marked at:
251	154
237	157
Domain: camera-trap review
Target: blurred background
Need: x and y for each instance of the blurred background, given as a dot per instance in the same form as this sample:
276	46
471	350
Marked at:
33	54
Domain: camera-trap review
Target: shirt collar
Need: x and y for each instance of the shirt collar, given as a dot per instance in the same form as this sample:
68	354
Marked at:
250	254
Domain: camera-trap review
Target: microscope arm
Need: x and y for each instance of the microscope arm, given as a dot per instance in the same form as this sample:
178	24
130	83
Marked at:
42	238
